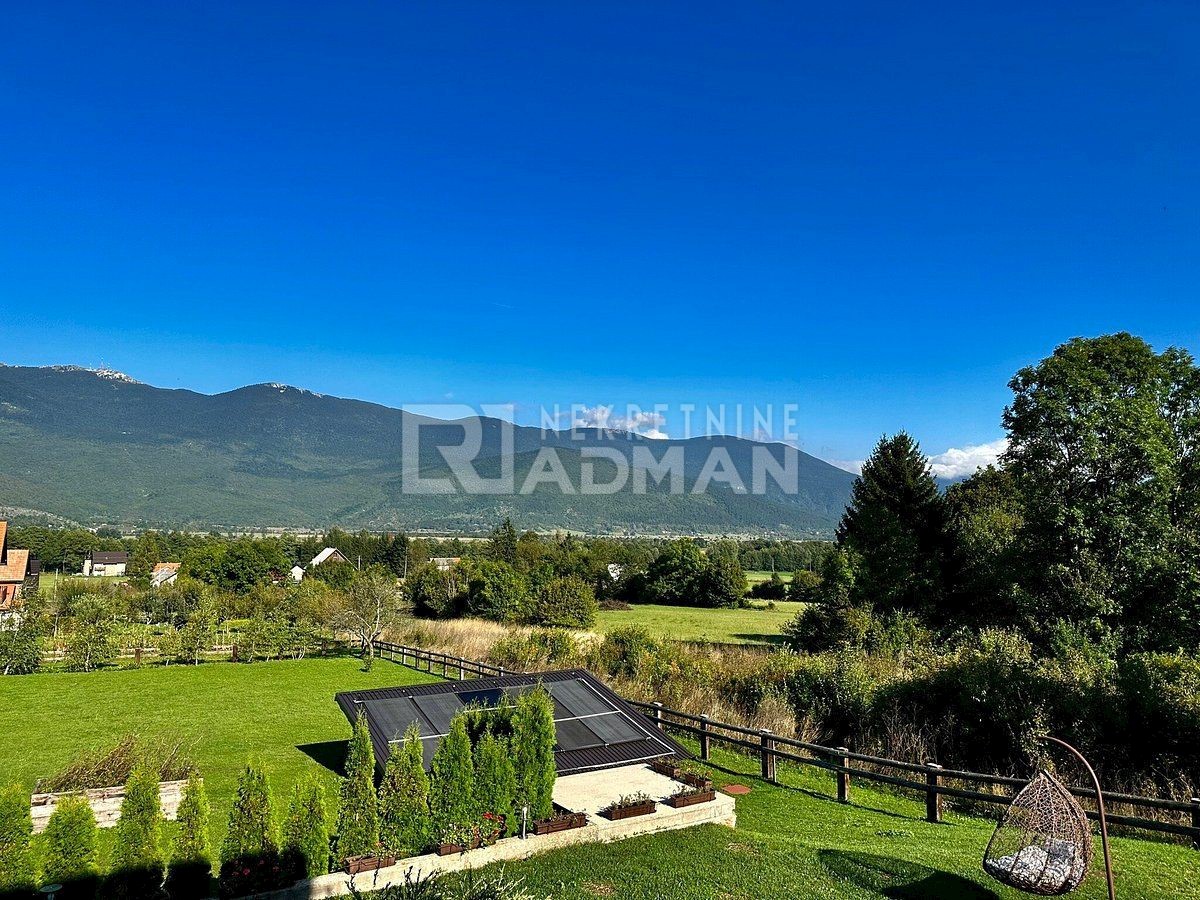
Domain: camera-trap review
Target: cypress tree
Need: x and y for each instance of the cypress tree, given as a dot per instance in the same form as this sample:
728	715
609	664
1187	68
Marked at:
404	822
533	753
495	782
895	529
137	868
70	841
358	810
191	861
306	831
251	830
452	780
16	831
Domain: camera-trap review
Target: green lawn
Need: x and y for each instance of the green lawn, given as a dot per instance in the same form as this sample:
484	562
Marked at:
755	576
686	623
281	712
796	842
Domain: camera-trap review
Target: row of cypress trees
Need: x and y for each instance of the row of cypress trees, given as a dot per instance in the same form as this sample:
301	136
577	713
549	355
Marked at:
141	865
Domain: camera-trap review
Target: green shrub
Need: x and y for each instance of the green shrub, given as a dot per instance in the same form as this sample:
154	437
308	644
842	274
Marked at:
773	588
804	587
533	753
828	626
251	828
306	831
70	847
358	809
498	591
1160	695
539	648
495	781
452	780
404	819
625	651
190	871
137	866
834	692
567	603
16	830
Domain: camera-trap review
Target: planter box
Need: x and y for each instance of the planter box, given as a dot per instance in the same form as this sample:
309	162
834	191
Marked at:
105	803
628	812
565	822
696	781
668	767
356	864
451	849
681	800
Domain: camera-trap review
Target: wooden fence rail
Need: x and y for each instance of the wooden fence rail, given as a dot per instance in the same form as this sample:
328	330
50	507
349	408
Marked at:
928	779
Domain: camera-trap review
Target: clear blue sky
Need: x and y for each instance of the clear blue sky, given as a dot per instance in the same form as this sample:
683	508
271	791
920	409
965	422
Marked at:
876	211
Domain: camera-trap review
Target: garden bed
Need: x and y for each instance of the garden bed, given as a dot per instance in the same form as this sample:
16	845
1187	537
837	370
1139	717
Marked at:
628	808
563	820
369	863
690	798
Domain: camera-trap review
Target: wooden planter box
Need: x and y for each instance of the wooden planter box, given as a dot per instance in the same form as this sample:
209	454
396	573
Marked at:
105	803
565	822
369	863
451	849
696	781
681	800
668	767
617	813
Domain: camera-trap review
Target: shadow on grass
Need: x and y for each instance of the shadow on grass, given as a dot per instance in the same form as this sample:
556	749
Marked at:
900	879
330	754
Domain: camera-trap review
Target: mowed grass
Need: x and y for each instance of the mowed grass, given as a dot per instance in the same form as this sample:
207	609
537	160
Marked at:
795	841
281	713
754	625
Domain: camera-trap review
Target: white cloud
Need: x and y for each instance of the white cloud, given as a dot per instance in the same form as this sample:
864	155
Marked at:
646	424
965	461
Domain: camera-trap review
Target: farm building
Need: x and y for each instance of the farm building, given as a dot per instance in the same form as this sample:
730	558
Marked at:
164	573
105	562
14	570
445	563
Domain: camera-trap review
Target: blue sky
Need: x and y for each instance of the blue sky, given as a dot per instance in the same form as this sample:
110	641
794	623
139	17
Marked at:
875	212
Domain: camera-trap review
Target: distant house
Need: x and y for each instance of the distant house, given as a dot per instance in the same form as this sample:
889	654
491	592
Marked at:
164	573
329	554
14	570
105	562
445	563
297	574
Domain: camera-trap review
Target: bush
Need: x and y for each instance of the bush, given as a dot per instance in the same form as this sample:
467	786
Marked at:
498	591
533	753
495	781
106	768
404	818
772	589
306	832
537	649
835	693
190	871
828	626
251	829
70	847
137	869
566	603
358	809
804	587
1161	702
626	651
452	780
16	830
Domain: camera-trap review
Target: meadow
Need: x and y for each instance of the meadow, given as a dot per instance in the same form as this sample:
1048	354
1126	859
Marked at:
755	624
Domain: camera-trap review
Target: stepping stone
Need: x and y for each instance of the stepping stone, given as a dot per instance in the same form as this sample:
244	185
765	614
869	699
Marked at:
736	790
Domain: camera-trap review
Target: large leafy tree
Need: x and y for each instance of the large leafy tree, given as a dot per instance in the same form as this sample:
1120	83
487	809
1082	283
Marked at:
894	528
1103	441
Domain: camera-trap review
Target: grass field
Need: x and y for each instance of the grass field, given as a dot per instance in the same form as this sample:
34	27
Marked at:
794	841
755	625
48	580
281	712
756	576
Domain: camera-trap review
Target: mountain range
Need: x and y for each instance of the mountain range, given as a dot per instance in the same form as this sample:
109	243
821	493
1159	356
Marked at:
98	447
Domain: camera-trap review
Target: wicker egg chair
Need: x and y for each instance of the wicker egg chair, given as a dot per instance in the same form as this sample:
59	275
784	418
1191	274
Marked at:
1043	844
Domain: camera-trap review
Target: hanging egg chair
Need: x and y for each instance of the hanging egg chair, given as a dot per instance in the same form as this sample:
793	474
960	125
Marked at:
1043	845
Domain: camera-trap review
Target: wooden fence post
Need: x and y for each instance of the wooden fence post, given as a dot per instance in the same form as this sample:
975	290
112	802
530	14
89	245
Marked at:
461	675
843	778
768	754
933	797
704	737
445	667
658	720
501	671
1196	821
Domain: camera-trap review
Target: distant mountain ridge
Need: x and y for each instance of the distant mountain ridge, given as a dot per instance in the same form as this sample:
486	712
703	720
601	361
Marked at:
99	447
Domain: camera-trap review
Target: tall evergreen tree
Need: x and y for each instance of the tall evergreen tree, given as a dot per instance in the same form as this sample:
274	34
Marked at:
495	781
16	831
895	530
137	867
190	870
306	829
251	831
452	779
70	847
504	543
533	743
404	821
358	809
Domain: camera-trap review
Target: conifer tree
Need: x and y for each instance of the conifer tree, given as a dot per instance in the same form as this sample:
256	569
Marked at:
533	753
137	866
404	821
495	782
306	830
70	846
358	809
452	780
190	870
251	829
16	831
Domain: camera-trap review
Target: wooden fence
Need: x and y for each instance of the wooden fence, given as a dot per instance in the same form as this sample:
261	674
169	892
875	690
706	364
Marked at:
928	779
